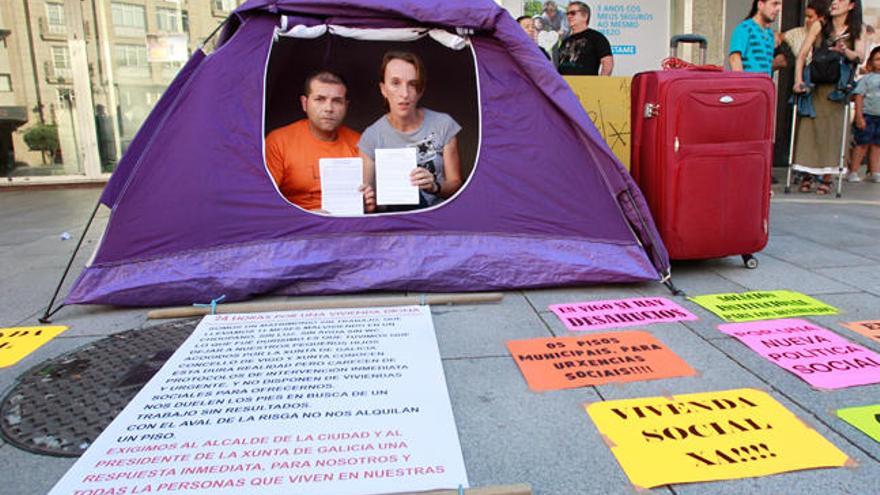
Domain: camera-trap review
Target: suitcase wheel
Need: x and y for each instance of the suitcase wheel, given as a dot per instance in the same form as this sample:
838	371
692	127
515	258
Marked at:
750	261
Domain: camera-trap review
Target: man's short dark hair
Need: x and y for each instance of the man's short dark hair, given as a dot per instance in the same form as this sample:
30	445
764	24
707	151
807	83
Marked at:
522	18
583	7
326	77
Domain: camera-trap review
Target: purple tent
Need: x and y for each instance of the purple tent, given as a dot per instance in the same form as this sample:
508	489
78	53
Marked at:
196	215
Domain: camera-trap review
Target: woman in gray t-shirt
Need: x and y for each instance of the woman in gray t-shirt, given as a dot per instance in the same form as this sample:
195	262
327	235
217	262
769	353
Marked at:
433	134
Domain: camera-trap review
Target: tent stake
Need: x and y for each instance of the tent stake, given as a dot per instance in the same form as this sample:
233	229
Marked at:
672	288
667	281
49	312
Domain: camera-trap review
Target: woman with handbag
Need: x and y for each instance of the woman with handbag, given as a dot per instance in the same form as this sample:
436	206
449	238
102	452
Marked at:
837	47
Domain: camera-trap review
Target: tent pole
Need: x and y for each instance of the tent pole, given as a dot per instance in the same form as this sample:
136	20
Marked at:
49	312
208	38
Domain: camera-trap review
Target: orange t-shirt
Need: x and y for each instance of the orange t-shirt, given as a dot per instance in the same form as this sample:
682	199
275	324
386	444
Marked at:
292	154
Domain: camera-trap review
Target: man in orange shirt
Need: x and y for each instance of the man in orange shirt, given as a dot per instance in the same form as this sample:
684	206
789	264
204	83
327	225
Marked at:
293	151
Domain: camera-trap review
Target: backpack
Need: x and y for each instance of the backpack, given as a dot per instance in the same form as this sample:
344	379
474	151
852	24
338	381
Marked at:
825	66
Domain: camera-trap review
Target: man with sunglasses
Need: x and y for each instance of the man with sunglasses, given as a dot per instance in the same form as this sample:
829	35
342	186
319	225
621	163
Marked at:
586	51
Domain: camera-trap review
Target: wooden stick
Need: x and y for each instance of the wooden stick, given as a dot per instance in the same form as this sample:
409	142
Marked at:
518	489
329	302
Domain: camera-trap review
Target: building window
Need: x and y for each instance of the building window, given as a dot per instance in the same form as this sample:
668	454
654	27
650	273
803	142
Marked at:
224	5
64	96
55	20
61	61
169	20
131	60
131	56
5	83
128	19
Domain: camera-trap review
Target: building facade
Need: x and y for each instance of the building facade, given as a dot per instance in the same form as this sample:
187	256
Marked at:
78	77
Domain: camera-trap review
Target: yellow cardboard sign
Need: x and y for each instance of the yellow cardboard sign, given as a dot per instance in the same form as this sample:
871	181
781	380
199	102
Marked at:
762	305
709	436
607	102
18	342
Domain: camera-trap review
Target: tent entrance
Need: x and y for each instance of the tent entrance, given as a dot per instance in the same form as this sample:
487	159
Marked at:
452	81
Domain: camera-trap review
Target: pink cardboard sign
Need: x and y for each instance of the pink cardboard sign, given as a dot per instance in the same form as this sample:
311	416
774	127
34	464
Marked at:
817	355
615	313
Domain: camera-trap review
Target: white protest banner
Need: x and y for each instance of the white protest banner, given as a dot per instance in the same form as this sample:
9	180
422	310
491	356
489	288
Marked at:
328	401
638	31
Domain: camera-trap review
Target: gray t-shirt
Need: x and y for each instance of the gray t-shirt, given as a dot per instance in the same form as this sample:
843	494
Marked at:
869	87
436	131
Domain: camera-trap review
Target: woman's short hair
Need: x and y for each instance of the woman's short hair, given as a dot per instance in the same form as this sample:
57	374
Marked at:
410	58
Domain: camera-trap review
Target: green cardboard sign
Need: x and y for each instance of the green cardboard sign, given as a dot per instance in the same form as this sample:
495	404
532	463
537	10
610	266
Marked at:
865	418
762	305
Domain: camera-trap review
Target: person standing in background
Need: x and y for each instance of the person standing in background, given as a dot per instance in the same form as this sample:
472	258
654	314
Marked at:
586	52
528	25
554	19
819	137
753	42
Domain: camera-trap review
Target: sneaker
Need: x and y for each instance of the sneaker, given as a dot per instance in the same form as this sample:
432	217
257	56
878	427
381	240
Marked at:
875	178
853	177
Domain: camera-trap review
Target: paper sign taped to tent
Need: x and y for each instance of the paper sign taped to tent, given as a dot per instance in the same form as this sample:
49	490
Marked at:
709	436
762	305
304	402
614	313
569	362
817	355
18	342
865	418
870	329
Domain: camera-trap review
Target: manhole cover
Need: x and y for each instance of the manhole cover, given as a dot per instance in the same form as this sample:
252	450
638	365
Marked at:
60	406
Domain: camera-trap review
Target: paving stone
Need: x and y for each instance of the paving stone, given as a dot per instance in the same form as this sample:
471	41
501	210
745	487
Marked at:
482	329
695	278
95	320
866	278
848	227
512	435
806	253
25	473
773	274
858	306
24	296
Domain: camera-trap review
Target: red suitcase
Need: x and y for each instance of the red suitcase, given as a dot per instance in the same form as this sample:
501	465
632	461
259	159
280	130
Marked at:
702	151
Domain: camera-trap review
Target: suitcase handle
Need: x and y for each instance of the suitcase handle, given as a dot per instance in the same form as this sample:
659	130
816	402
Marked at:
689	39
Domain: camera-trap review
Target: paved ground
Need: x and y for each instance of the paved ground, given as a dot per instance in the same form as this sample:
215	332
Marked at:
828	248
